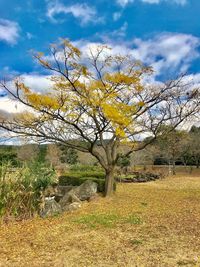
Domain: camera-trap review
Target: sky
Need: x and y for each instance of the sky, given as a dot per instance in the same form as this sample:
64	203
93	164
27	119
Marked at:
162	33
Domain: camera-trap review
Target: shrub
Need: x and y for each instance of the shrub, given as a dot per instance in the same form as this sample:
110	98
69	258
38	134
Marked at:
20	191
96	174
85	168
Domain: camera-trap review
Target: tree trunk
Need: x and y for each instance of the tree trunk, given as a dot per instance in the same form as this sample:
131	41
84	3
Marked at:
174	167
197	163
191	168
109	182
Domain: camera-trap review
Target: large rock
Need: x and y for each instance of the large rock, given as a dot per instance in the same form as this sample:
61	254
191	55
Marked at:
83	192
140	177
72	206
61	191
51	208
86	190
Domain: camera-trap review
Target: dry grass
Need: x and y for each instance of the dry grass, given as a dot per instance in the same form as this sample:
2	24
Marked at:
153	224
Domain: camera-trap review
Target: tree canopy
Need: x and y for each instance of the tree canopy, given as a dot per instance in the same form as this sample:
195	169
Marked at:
97	102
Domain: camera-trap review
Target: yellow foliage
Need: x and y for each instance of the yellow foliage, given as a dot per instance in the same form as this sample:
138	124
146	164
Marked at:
102	90
121	78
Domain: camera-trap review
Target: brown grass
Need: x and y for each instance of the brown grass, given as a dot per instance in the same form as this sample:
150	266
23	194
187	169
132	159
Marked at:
153	224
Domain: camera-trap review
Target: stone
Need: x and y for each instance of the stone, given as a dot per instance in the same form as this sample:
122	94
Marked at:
72	206
78	194
86	190
140	177
63	189
51	208
51	190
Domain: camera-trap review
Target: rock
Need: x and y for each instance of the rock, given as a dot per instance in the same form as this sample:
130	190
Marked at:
51	190
72	206
68	198
86	190
63	189
140	177
78	194
51	208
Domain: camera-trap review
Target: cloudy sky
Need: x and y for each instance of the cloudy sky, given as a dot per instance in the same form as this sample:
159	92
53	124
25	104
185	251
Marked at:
161	33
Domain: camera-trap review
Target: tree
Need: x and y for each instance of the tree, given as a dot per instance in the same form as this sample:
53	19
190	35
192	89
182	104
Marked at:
194	145
171	145
68	155
146	156
27	152
97	102
191	148
53	155
123	162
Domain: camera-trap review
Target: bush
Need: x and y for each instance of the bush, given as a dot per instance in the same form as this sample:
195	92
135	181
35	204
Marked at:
96	174
86	168
20	191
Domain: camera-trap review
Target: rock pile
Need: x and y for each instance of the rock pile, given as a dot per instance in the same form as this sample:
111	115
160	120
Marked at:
68	198
139	177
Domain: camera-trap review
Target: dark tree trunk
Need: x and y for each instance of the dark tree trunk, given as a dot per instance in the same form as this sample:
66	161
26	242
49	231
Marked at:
174	168
197	163
109	182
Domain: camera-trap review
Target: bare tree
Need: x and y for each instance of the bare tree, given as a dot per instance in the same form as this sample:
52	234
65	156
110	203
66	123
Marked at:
99	100
27	152
53	154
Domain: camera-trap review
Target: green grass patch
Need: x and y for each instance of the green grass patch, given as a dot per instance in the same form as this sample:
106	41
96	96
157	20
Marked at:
94	220
133	219
136	242
106	220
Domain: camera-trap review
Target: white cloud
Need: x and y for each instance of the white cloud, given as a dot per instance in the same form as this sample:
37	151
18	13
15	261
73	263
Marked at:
29	35
38	83
9	31
8	105
178	2
83	12
121	32
117	15
123	3
169	51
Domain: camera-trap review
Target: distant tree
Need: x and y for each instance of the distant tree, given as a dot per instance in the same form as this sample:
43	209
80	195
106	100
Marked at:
146	156
194	145
171	145
124	162
53	155
27	152
68	155
98	99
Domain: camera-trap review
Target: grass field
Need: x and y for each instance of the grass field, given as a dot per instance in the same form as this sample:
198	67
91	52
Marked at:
152	224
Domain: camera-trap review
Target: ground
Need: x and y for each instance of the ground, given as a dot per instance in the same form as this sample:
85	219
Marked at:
152	224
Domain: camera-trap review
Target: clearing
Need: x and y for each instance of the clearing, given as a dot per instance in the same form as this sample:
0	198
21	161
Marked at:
152	224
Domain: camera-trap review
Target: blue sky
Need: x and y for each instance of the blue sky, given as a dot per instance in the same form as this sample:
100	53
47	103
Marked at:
161	33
